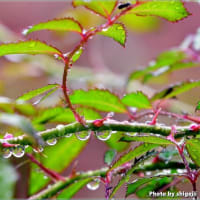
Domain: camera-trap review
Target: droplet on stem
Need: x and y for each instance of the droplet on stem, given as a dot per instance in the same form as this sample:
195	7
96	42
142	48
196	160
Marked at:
103	135
18	152
51	141
7	153
93	185
85	135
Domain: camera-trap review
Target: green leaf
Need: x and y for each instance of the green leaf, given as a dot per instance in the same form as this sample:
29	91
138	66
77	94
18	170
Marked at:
28	47
143	186
138	151
176	90
154	185
8	177
198	106
66	150
129	173
33	93
114	143
117	32
65	24
109	156
9	106
163	61
140	24
148	139
70	191
103	8
171	10
102	100
136	184
171	68
19	122
136	99
77	54
64	115
193	148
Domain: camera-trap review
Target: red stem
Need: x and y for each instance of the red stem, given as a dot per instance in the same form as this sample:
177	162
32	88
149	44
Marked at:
55	176
85	37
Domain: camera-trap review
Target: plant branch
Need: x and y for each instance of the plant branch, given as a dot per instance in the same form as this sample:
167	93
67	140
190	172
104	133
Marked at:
85	36
60	185
110	125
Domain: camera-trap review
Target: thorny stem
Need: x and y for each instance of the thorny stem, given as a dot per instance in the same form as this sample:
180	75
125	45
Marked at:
52	174
85	36
191	175
60	185
110	125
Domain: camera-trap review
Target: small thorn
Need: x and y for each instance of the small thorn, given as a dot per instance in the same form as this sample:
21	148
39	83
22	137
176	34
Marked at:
154	120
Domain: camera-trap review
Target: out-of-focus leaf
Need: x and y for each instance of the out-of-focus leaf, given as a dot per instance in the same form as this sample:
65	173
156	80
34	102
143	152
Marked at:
175	90
193	148
198	106
9	106
109	156
8	177
114	143
33	93
148	139
163	61
138	151
70	191
64	115
19	122
28	47
139	23
66	150
171	10
103	8
102	100
167	69
65	24
136	99
143	186
117	32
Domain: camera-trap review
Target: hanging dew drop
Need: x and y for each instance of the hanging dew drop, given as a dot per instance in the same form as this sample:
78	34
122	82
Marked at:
93	185
103	135
83	135
68	135
104	29
7	153
18	152
38	150
56	56
51	142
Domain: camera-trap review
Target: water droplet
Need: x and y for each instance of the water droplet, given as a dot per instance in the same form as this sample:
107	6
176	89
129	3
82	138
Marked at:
51	141
68	135
7	153
93	185
18	152
24	32
113	132
56	56
61	129
104	29
103	135
38	150
85	135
